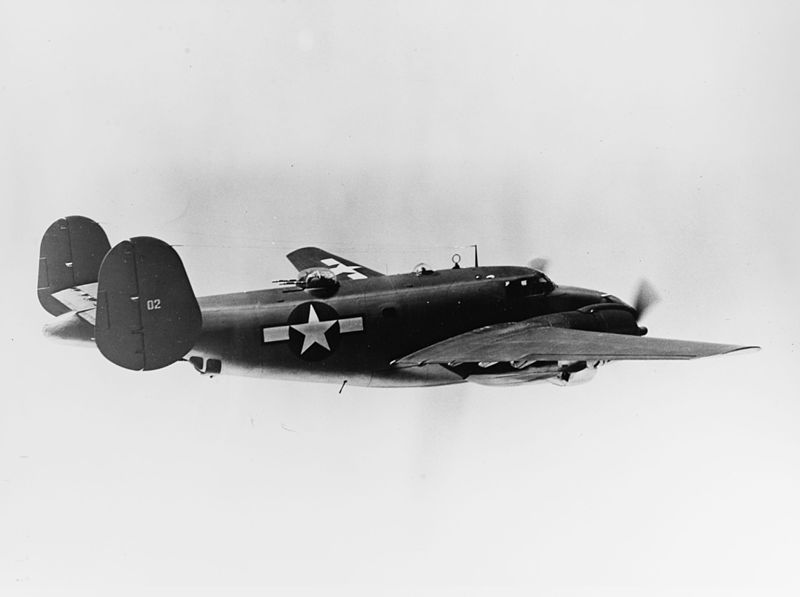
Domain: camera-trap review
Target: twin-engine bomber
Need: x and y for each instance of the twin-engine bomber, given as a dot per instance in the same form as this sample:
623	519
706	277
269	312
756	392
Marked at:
339	321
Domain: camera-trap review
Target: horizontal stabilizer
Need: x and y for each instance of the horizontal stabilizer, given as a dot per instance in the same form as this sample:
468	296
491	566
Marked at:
147	314
80	299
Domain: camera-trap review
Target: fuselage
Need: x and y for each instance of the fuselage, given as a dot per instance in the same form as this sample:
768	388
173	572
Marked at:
355	331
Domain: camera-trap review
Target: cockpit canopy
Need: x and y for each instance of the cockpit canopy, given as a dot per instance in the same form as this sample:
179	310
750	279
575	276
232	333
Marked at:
536	283
317	277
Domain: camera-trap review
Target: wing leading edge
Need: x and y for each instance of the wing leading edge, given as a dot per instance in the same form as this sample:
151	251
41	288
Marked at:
316	257
521	341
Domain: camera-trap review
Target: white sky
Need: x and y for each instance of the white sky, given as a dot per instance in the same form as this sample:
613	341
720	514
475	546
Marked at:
621	140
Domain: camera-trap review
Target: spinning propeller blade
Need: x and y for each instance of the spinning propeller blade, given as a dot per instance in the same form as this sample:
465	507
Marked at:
646	297
539	263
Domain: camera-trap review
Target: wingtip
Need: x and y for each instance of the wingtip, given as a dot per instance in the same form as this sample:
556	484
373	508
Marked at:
723	350
744	350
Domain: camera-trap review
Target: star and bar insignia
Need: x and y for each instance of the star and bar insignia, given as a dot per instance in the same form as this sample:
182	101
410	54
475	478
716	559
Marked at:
313	330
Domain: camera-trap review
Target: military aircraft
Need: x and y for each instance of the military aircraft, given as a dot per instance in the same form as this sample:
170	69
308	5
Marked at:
338	321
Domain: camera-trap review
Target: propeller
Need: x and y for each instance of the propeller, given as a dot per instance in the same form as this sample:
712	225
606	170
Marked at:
539	263
646	297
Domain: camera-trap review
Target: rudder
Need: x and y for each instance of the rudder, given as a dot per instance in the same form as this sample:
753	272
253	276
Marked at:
147	313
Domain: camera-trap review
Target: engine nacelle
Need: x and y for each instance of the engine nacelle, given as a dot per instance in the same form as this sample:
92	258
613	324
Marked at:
603	317
560	373
576	373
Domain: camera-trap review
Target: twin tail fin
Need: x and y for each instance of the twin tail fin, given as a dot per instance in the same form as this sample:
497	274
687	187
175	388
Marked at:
136	294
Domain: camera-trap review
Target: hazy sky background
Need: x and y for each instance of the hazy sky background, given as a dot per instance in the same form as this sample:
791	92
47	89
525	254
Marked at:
620	139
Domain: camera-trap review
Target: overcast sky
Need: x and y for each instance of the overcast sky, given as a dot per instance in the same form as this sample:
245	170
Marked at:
621	140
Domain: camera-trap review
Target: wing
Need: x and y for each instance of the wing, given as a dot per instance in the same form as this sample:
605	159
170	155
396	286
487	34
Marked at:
316	257
523	342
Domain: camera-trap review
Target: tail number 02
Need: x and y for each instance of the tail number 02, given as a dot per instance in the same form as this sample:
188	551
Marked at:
153	304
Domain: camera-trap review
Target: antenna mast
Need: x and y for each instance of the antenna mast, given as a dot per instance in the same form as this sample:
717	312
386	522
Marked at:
475	247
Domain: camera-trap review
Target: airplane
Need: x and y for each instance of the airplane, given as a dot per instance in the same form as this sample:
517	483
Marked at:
339	321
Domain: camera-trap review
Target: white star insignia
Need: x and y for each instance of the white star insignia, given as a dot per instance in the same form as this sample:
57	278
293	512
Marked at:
313	331
340	268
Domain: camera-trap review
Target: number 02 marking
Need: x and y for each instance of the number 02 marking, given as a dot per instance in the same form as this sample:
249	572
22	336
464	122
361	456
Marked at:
153	304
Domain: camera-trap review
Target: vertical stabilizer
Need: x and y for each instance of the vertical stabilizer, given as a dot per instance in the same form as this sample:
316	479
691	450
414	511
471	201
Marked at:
70	254
147	314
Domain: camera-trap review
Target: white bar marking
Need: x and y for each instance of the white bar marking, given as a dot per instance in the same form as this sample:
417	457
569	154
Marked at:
277	334
351	324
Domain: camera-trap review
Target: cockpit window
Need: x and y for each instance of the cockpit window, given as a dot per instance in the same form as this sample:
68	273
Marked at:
532	285
542	284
